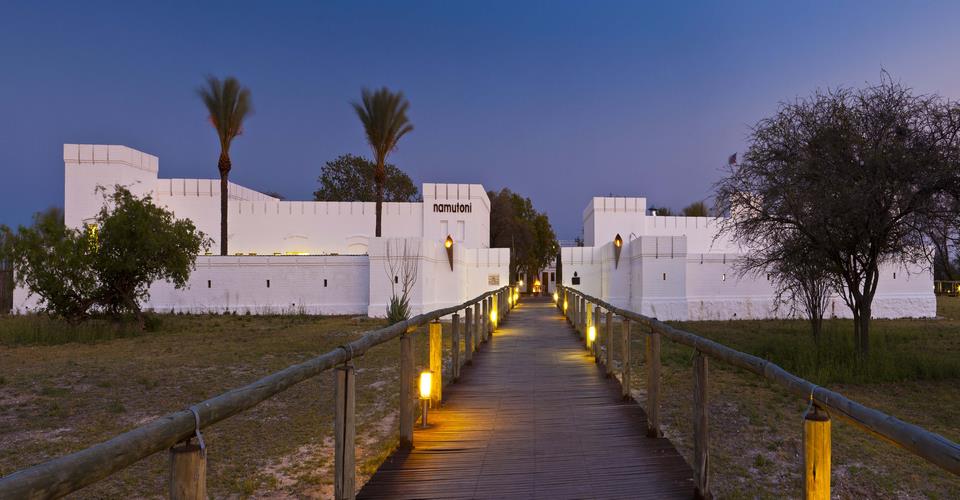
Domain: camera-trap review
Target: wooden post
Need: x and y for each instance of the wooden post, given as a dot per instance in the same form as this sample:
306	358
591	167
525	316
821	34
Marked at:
652	352
625	361
701	437
595	345
478	325
816	455
468	342
344	429
436	363
588	310
455	329
608	336
486	320
188	473
407	391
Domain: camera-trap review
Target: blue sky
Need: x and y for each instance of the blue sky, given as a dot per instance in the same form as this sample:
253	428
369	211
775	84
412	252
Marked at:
559	101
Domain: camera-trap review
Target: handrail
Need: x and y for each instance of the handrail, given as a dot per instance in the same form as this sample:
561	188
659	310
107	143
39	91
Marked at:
930	446
66	474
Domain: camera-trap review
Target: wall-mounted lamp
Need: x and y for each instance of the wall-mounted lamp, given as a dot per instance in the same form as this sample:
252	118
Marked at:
426	383
448	244
617	247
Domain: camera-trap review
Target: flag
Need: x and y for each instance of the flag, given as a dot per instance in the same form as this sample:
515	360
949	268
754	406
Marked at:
732	160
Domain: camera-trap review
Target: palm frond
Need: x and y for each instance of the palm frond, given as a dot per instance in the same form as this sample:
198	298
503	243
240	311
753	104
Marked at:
228	104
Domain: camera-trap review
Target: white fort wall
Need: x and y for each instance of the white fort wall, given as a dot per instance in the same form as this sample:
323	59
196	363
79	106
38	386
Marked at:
675	268
319	257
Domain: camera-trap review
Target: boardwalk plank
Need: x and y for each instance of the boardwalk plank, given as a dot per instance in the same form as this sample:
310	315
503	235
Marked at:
534	417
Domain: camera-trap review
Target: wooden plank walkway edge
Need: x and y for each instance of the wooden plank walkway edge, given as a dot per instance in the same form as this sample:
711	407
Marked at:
534	417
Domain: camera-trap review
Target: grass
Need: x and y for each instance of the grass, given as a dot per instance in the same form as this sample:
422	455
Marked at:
67	388
912	373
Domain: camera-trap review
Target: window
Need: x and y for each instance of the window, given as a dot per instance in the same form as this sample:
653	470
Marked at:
324	282
894	275
268	283
461	230
664	276
208	283
396	279
552	277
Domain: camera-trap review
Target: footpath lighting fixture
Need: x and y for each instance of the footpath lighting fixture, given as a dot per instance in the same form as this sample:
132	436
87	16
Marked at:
448	245
591	335
493	318
426	383
556	297
565	304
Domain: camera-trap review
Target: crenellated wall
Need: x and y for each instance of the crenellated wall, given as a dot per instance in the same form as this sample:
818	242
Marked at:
676	268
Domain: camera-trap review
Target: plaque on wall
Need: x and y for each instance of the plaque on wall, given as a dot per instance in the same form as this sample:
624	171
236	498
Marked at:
493	279
575	280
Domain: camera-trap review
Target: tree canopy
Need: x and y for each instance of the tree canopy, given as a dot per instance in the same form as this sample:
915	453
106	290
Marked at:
696	209
854	177
111	264
516	224
351	178
384	117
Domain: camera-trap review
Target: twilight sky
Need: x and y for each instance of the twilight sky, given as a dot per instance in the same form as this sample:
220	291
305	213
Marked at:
559	101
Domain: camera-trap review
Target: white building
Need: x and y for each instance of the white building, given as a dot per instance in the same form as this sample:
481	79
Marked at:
674	268
320	257
298	256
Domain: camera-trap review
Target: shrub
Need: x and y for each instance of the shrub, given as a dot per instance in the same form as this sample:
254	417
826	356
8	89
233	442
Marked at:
398	310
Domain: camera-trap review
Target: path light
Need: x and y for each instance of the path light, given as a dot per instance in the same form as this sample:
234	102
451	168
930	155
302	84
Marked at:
556	297
565	304
493	317
591	335
426	383
448	244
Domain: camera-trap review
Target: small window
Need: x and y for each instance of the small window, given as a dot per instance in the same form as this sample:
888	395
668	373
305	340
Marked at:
208	284
552	277
396	279
664	276
894	275
268	283
324	282
723	277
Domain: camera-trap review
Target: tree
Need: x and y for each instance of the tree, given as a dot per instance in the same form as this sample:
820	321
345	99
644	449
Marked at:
402	266
855	177
516	224
384	117
664	211
696	209
228	104
56	264
138	243
351	178
110	265
802	280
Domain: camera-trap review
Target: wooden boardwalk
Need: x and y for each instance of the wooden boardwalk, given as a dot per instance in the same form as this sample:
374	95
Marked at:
534	417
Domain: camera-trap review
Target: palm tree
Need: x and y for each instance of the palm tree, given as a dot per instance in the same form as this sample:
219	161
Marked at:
229	105
384	118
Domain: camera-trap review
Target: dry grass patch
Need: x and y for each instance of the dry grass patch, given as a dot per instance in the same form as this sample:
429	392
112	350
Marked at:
57	399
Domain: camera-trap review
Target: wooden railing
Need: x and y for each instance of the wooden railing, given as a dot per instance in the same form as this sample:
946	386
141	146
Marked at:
583	311
951	288
69	473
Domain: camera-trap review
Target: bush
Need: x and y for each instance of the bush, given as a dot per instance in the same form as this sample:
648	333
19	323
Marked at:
110	266
398	310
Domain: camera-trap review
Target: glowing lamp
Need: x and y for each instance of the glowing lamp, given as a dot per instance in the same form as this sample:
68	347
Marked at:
565	304
426	382
493	316
556	297
448	245
617	247
591	334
